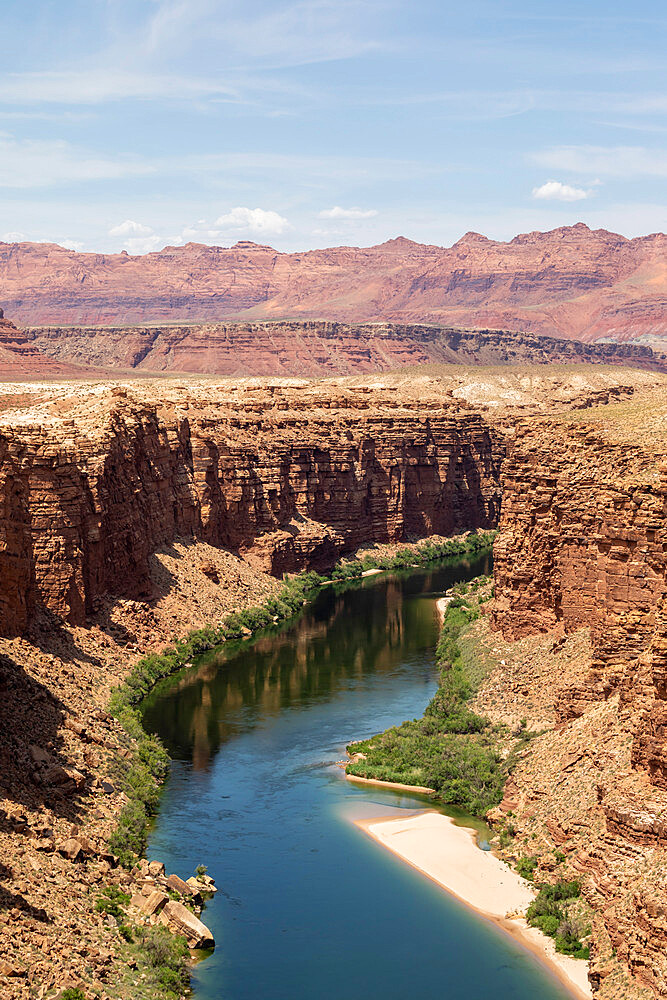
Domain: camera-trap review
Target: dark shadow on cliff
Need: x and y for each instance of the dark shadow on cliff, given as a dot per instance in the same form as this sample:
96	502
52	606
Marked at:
13	900
48	633
31	762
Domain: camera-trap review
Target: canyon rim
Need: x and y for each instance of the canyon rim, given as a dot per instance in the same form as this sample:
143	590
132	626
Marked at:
317	318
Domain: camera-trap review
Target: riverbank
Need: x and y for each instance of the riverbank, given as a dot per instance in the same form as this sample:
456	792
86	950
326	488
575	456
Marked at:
68	764
447	854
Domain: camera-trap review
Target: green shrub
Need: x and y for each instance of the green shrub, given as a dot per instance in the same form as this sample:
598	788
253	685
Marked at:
526	867
450	749
128	841
548	924
548	912
73	993
163	957
110	901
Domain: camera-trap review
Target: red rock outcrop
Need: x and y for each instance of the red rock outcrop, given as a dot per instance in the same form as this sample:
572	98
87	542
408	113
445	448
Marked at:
583	546
583	542
571	282
316	348
291	477
20	357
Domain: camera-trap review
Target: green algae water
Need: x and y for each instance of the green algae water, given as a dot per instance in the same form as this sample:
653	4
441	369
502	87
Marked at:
308	907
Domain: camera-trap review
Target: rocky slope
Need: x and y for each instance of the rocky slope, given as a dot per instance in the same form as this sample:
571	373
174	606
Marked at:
571	282
314	348
582	551
131	512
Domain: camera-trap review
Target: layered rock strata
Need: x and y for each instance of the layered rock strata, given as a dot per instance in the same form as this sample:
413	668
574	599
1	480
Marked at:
570	282
583	549
316	348
289	477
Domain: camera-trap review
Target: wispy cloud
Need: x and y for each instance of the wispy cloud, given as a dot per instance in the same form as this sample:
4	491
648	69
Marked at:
283	34
337	212
557	191
43	163
155	60
606	161
81	87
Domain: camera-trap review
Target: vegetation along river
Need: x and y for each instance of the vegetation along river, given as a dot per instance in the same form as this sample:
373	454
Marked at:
309	908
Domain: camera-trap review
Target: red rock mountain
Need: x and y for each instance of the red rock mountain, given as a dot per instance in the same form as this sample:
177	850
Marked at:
571	282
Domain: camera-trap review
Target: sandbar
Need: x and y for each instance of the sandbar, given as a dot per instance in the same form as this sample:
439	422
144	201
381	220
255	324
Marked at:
448	854
441	605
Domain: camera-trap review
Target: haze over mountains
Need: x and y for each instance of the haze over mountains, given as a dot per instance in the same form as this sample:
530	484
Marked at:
572	282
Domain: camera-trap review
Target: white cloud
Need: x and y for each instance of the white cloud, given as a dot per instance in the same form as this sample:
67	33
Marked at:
14	237
130	228
143	244
137	238
257	221
347	213
71	245
609	161
557	191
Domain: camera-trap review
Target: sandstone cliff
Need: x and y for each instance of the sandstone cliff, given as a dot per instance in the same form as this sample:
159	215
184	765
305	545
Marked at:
20	357
291	477
571	282
314	348
582	550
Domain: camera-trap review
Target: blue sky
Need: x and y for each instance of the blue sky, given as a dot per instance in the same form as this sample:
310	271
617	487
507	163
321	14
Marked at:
140	123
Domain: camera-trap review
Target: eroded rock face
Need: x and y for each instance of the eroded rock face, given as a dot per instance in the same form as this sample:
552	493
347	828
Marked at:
21	358
583	542
315	348
289	477
570	282
583	546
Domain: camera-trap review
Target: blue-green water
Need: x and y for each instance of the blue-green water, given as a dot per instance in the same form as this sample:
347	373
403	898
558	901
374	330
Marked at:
309	908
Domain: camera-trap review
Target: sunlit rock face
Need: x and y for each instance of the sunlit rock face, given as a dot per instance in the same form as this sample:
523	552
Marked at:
94	480
571	282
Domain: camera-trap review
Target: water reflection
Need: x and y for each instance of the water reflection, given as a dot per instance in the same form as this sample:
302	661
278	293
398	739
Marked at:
348	633
308	907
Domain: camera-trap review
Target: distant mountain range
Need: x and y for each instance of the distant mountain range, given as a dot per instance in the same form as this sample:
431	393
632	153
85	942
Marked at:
572	282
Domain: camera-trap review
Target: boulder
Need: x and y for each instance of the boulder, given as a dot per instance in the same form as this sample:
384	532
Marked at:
70	849
11	971
153	903
182	921
202	887
178	885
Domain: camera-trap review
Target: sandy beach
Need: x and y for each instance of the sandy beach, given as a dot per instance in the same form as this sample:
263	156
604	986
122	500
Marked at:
448	854
441	605
394	785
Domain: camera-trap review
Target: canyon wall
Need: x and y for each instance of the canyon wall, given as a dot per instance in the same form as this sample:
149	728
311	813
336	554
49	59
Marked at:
583	546
289	477
21	358
571	282
313	348
583	542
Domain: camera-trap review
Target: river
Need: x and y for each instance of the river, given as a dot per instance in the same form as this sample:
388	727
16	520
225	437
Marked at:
308	907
